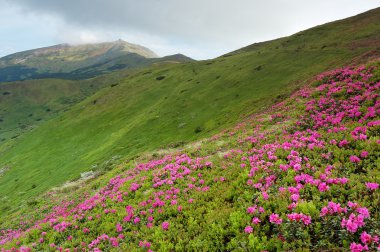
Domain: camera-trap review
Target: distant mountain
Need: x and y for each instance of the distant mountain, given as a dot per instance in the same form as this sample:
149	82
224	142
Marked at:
78	61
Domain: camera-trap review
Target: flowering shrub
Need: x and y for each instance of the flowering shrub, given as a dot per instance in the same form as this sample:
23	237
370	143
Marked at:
302	175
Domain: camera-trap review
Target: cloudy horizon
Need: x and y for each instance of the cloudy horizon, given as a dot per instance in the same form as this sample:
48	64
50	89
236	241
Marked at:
198	29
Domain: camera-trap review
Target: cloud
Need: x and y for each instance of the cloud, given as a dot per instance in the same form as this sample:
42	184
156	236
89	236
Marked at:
196	25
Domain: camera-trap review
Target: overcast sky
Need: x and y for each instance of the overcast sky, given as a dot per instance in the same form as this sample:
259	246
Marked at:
198	28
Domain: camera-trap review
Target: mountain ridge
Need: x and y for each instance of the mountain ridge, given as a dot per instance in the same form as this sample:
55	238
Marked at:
73	61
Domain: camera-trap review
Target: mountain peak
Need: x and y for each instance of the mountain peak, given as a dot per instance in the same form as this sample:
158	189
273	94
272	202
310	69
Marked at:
78	60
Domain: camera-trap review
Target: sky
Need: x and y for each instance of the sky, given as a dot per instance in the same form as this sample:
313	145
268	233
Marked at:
201	29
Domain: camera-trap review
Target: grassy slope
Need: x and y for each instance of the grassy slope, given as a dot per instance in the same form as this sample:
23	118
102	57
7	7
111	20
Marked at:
26	104
144	114
286	161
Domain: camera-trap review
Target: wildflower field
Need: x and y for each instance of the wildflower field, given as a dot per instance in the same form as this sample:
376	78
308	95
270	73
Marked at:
302	176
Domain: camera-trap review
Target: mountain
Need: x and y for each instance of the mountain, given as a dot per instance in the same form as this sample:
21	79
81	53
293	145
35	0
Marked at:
77	61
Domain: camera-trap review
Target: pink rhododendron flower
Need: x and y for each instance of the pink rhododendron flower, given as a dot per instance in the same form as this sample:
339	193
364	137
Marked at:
165	225
364	154
144	244
353	223
114	242
265	195
275	219
306	219
136	220
323	187
358	247
251	210
256	220
119	228
365	238
294	197
248	229
372	186
354	159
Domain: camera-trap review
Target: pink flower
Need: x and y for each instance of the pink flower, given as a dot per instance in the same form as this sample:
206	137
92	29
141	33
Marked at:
363	211
256	220
144	244
343	143
354	159
353	223
134	187
372	186
358	247
364	154
306	219
275	219
248	229
114	242
265	195
119	228
365	237
165	225
352	205
322	187
294	197
136	220
251	210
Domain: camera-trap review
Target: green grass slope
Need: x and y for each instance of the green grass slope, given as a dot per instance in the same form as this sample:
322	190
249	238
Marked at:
26	104
300	176
167	105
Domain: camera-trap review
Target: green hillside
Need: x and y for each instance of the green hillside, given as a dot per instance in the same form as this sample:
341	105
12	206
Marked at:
26	104
163	106
300	176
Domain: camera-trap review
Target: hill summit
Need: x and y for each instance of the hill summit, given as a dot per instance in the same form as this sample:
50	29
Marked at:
77	61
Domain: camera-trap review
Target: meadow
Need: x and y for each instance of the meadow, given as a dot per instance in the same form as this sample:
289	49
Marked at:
301	175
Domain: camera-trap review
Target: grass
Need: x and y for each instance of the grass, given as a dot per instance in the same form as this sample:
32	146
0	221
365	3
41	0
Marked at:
146	112
26	104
